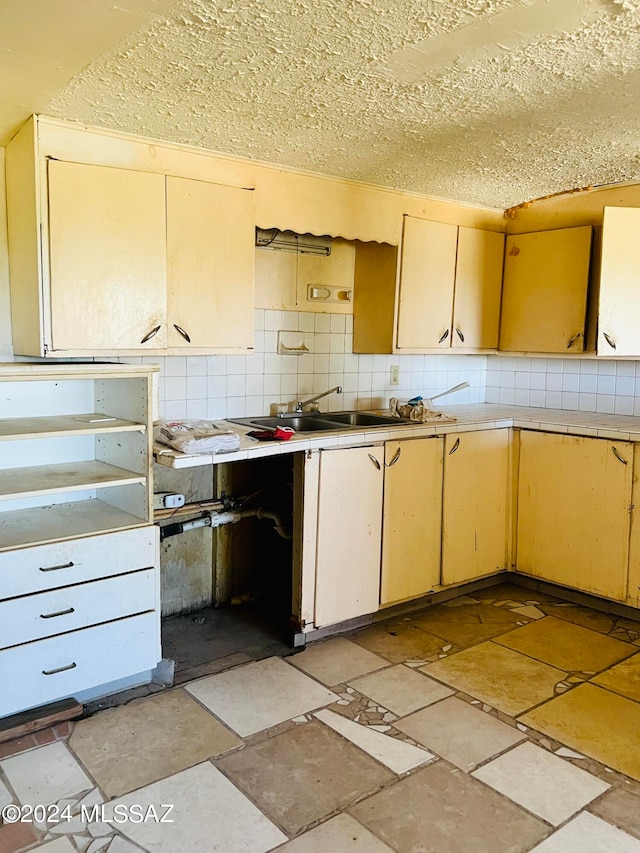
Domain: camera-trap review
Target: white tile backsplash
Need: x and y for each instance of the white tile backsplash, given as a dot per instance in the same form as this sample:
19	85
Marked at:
577	384
218	386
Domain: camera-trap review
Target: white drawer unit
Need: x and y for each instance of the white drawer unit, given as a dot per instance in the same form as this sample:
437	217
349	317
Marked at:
45	671
34	617
79	554
42	567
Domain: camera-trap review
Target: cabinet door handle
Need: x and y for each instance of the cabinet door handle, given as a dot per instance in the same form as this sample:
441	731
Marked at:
444	337
574	339
182	332
618	457
460	335
55	568
59	669
150	334
374	460
59	613
396	456
609	340
455	446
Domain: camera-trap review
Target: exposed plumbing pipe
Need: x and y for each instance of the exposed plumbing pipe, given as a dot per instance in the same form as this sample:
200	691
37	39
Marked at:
217	519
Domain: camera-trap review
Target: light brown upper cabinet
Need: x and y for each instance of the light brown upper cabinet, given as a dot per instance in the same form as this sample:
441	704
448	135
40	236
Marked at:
107	264
210	265
544	295
447	294
107	260
618	303
449	286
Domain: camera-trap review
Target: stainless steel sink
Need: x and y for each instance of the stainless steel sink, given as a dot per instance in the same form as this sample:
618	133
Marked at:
322	421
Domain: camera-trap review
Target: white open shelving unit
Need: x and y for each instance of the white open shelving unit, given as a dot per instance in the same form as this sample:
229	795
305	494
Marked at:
78	548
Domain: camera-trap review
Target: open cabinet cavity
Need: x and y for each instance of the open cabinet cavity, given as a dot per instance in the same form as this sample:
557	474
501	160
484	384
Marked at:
229	582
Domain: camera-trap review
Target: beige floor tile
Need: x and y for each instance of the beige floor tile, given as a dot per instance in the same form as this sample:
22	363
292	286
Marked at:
465	634
60	845
620	807
566	646
395	754
588	834
341	834
499	676
304	774
624	678
544	784
460	733
441	809
584	616
209	814
336	661
397	643
400	689
45	775
259	695
133	745
596	722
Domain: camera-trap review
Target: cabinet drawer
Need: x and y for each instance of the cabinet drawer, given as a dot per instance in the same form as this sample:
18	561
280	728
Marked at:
42	567
34	617
62	666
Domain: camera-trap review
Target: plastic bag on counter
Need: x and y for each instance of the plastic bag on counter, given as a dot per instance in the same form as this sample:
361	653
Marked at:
417	411
196	436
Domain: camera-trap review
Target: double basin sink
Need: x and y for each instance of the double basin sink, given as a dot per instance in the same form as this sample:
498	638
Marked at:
322	421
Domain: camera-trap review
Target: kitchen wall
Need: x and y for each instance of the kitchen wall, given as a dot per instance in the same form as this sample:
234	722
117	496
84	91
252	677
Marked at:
582	384
218	386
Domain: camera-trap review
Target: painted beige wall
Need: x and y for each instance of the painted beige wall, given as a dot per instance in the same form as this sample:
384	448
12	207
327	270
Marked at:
5	305
569	209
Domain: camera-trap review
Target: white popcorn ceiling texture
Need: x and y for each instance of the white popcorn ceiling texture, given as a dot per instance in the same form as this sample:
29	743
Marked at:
325	85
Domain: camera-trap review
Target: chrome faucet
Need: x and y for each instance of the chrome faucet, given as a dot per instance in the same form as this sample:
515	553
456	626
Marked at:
300	404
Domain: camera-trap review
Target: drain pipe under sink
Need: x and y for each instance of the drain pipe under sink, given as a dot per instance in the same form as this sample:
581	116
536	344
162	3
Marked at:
218	519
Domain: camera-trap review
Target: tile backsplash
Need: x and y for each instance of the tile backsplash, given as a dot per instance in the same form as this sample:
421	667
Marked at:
218	386
580	384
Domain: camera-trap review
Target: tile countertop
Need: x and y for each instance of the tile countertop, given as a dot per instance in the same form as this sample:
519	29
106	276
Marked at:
468	418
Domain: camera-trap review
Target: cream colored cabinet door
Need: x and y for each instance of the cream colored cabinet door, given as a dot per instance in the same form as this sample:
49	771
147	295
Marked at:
210	265
476	504
412	518
427	275
107	266
574	501
618	302
349	533
478	285
544	295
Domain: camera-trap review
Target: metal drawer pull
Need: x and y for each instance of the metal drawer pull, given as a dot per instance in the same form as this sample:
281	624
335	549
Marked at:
59	613
374	460
609	340
56	568
444	337
617	455
455	446
460	335
574	339
182	332
60	669
396	456
150	334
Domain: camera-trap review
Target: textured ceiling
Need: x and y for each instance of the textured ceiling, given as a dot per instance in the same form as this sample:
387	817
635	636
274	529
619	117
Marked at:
485	101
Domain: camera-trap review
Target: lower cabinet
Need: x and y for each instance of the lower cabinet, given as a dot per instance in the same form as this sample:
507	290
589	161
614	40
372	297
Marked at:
476	503
574	502
412	518
349	533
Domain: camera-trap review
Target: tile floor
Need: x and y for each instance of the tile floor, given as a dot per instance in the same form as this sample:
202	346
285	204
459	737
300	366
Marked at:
506	720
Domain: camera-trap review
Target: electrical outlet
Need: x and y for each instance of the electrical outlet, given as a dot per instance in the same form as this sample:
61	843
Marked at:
394	374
